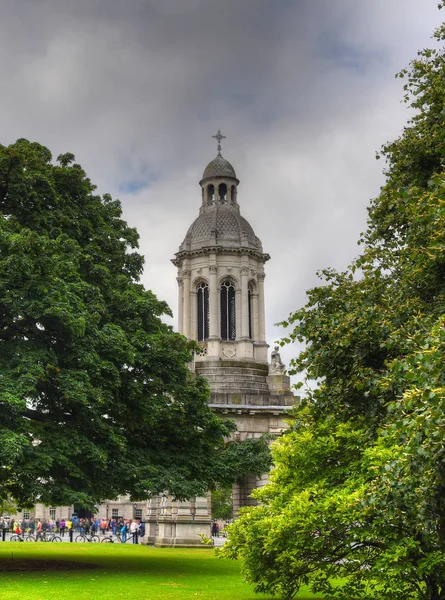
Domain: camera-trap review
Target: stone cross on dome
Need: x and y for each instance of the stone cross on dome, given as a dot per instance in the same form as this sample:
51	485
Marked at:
219	136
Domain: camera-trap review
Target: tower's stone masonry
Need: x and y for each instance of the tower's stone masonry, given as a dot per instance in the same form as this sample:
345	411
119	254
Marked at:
221	304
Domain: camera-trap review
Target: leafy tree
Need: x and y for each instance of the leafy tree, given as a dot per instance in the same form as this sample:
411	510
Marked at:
222	507
356	503
96	397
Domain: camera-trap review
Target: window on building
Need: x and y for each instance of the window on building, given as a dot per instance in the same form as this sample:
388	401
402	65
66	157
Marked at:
210	193
114	512
222	190
203	311
228	327
249	307
26	515
52	513
138	513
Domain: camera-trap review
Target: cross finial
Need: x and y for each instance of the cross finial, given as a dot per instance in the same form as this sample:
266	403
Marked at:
219	136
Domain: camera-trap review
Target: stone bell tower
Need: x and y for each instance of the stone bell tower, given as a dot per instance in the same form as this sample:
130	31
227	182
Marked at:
221	305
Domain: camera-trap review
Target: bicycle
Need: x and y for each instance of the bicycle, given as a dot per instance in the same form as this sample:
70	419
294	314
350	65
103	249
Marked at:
46	536
116	539
22	537
86	537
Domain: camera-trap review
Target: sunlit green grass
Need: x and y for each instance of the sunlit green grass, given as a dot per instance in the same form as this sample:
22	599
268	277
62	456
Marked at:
127	572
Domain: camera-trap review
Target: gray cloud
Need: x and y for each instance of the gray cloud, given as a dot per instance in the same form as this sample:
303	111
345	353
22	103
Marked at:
304	91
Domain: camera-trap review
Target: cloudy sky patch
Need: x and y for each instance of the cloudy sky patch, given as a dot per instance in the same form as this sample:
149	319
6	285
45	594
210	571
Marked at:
304	90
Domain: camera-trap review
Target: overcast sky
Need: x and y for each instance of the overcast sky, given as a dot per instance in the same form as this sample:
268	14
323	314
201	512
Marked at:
304	90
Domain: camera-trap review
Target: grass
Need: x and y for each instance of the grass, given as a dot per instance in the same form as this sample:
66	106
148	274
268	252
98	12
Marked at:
127	572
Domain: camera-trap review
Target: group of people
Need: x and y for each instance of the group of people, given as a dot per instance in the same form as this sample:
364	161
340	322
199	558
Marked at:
217	528
92	526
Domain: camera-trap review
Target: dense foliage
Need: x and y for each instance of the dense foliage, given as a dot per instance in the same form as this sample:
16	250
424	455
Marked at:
96	397
222	503
356	504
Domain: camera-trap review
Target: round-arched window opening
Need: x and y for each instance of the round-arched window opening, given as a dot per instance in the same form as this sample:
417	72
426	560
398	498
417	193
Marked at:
222	191
228	313
202	296
210	193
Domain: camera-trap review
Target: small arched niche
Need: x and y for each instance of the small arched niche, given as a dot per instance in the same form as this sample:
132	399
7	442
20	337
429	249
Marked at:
222	191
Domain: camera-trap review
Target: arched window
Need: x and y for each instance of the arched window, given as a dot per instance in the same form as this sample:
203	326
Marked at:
222	190
203	311
210	193
228	327
249	308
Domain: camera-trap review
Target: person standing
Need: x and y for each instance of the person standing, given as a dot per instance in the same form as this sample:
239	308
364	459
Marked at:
62	526
141	529
39	530
134	530
124	533
103	526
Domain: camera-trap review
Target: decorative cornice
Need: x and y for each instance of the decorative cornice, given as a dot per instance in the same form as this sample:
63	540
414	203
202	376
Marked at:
179	256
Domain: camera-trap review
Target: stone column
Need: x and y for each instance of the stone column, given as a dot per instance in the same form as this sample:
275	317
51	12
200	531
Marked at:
180	304
238	314
194	314
229	193
255	322
151	521
261	309
244	303
186	318
166	530
213	304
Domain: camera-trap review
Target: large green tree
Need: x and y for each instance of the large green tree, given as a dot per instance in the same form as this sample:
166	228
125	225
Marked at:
96	395
356	503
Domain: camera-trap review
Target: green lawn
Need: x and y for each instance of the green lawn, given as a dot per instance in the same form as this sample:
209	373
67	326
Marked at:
128	572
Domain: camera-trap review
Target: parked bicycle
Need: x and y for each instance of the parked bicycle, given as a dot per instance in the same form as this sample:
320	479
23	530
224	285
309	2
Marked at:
86	537
45	536
22	537
114	539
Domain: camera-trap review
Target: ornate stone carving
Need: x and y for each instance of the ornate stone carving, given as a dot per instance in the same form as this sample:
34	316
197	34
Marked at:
179	280
261	276
202	350
244	270
276	366
186	273
229	350
213	268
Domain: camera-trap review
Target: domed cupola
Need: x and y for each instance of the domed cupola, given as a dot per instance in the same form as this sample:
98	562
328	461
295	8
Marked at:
221	273
218	167
219	224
